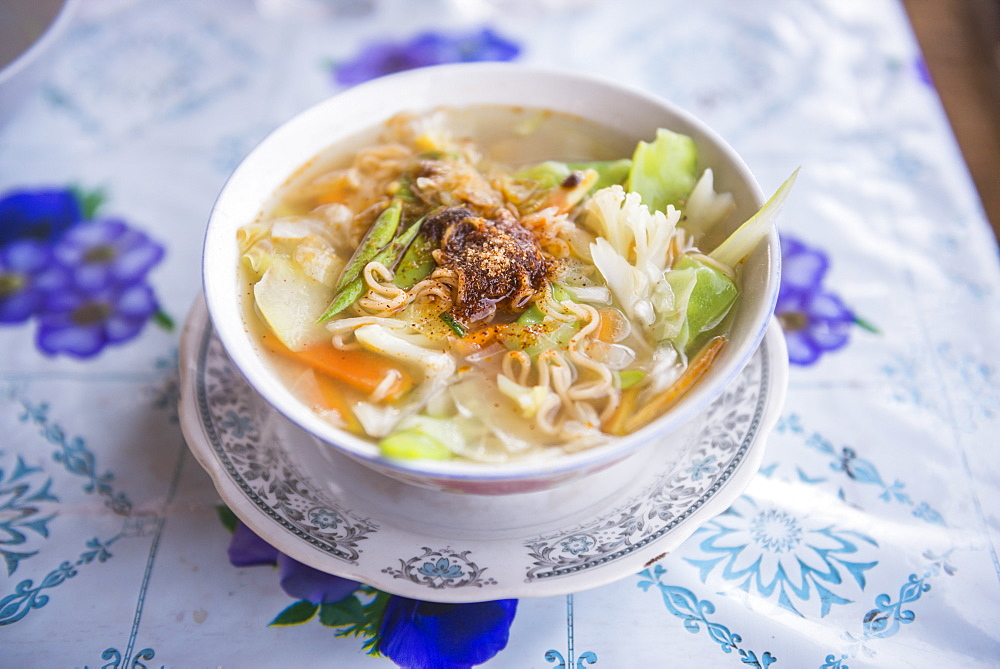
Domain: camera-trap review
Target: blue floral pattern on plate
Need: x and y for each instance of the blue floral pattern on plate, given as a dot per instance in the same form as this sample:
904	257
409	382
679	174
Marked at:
259	461
716	453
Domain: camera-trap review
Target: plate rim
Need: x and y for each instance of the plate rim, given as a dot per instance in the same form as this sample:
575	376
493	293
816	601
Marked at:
599	571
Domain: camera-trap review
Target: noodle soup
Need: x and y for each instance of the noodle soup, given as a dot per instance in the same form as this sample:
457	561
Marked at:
495	283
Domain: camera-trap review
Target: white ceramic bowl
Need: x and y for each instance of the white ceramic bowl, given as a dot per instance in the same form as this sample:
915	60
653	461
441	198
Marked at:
630	112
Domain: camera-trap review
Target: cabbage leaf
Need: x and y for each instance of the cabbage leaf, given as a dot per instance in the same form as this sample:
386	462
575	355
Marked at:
289	301
746	237
663	171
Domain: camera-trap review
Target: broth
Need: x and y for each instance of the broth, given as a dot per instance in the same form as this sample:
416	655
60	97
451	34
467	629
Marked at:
482	283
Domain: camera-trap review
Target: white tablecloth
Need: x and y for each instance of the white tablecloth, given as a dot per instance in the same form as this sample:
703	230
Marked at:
870	536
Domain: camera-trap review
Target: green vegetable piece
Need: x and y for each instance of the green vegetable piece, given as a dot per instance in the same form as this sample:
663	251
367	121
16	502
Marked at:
546	175
557	338
405	191
560	294
663	172
531	316
289	302
609	172
392	254
416	264
552	173
629	377
388	256
343	299
413	444
738	245
534	332
381	233
711	298
455	326
535	338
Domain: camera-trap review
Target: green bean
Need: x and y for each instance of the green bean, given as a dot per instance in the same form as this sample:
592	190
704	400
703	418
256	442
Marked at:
400	244
405	191
416	263
381	233
344	298
456	327
388	256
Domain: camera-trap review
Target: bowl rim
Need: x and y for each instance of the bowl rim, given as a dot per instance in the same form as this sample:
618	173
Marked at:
246	358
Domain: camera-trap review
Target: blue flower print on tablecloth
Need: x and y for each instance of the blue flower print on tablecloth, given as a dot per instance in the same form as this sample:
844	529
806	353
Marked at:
784	556
38	214
106	253
411	633
27	275
814	319
428	635
83	279
81	322
429	48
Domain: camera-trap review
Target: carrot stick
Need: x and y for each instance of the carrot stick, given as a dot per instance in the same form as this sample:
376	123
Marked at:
616	423
332	393
359	368
695	370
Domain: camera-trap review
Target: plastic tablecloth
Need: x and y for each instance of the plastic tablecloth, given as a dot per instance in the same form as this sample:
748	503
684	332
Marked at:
868	539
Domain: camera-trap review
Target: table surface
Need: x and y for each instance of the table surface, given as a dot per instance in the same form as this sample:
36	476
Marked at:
868	539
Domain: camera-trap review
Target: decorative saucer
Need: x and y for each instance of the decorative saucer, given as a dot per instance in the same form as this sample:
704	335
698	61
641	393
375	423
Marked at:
334	514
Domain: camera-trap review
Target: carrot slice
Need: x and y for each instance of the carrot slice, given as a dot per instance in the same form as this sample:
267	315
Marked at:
613	325
332	393
359	368
695	370
336	190
483	336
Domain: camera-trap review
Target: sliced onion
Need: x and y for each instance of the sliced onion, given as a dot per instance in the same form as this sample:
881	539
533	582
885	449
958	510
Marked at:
619	356
592	294
484	354
615	356
377	421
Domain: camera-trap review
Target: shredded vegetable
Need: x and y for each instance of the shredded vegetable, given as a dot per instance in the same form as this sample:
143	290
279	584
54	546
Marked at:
446	304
